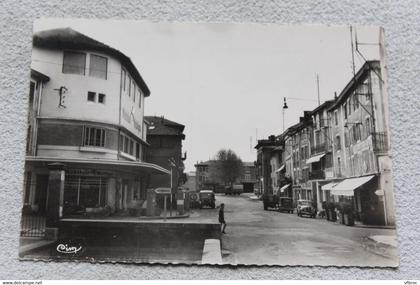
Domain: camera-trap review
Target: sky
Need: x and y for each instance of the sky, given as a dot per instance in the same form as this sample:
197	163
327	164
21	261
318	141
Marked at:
226	81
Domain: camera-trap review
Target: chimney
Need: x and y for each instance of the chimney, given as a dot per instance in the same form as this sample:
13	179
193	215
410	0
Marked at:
335	95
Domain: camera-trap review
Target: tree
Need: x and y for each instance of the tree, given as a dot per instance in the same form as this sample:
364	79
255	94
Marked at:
229	166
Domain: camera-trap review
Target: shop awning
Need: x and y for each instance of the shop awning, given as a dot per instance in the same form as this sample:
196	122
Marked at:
284	188
329	186
134	167
347	186
315	158
280	168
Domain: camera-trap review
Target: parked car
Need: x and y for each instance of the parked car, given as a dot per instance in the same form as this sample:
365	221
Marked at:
207	198
286	205
305	207
236	189
194	200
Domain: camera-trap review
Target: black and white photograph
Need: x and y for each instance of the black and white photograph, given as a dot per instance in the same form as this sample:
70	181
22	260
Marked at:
208	143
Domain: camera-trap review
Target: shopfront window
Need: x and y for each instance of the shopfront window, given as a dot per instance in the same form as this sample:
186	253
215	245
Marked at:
83	191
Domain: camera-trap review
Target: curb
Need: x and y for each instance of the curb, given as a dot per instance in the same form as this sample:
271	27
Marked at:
42	243
212	253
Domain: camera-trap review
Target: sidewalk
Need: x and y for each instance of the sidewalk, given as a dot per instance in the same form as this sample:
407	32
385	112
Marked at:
29	243
383	245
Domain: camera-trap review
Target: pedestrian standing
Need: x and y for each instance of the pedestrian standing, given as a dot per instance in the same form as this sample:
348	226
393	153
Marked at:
222	217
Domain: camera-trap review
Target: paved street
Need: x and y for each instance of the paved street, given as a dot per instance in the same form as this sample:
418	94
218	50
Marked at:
255	236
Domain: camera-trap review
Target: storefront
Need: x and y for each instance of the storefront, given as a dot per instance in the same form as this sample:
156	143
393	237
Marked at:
361	193
87	188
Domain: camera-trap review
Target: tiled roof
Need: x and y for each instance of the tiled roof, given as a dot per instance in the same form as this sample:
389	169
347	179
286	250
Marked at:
163	126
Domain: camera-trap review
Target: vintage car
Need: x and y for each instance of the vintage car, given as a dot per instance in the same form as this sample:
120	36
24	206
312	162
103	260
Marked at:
305	207
206	198
286	205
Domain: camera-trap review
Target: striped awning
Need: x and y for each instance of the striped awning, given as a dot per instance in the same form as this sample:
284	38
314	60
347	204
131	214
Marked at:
315	158
347	186
329	186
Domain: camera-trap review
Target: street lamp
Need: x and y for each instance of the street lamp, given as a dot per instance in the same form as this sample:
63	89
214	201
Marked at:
284	108
172	164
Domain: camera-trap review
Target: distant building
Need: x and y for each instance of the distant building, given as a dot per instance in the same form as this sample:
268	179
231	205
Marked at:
249	177
207	176
266	165
190	182
165	149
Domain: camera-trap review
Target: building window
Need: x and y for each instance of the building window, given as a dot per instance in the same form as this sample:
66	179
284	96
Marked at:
367	127
121	142
355	102
98	66
133	88
138	151
101	98
126	142
131	147
338	142
345	110
139	91
91	96
349	105
335	118
84	190
94	137
123	76
129	86
74	62
32	87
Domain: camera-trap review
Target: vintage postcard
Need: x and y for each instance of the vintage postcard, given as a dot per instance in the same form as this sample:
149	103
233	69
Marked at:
208	143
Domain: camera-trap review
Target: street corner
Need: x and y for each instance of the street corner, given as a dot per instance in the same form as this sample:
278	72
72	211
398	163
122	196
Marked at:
383	245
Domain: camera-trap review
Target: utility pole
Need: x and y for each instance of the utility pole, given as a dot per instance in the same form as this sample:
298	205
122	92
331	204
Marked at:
352	52
317	86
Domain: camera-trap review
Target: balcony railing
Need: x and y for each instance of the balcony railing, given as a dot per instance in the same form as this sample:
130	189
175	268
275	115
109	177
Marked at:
316	174
318	148
380	142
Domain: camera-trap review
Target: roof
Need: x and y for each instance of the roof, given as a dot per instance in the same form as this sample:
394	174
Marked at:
324	105
160	126
205	163
267	143
354	82
67	38
39	76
